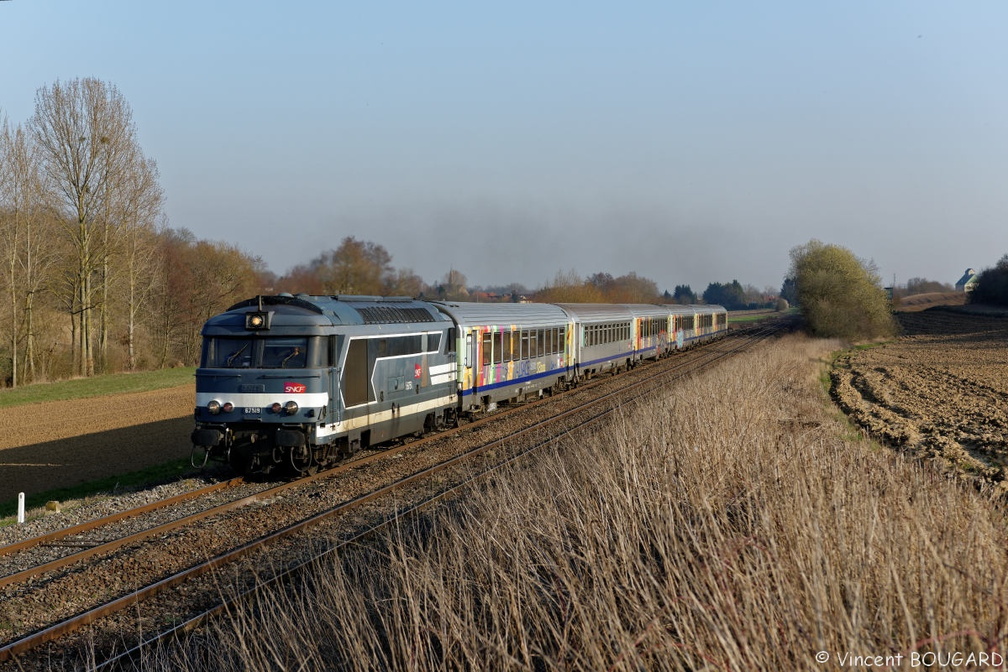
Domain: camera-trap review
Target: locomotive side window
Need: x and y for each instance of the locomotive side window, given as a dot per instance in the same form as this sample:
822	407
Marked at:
434	342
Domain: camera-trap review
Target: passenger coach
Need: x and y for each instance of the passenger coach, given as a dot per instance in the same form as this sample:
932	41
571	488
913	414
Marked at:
509	351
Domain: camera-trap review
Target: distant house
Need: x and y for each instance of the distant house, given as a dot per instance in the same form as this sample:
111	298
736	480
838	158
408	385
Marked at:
968	282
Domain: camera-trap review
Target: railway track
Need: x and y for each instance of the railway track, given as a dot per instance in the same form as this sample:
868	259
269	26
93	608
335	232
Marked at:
176	568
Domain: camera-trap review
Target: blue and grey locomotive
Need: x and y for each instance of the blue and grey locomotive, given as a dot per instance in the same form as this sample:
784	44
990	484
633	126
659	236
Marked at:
299	381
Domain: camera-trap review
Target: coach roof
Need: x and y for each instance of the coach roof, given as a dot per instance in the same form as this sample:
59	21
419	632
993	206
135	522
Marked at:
532	315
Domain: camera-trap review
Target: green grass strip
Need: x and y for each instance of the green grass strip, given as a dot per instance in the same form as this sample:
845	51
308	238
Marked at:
96	386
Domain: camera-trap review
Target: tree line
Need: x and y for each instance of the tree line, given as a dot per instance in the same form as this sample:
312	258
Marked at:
93	280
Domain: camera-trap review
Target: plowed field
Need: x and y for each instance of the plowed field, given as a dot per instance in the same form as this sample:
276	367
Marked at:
65	443
939	392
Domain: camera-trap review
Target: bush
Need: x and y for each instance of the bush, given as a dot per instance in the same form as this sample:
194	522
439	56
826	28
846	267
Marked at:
992	285
839	295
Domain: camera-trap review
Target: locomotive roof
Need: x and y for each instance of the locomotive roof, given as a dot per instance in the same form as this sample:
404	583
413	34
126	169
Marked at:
350	310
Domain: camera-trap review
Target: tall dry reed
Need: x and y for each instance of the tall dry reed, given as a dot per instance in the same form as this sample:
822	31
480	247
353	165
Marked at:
735	523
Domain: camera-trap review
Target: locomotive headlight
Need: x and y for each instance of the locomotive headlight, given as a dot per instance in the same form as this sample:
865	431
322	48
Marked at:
291	407
257	320
213	406
276	407
227	407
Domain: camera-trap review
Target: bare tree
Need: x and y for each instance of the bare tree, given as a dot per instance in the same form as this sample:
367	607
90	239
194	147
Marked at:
25	257
453	286
85	135
138	208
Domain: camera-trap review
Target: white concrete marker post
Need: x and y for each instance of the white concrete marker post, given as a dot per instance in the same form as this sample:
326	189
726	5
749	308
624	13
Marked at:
21	508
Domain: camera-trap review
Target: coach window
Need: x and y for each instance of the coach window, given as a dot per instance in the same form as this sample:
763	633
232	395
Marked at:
498	347
487	347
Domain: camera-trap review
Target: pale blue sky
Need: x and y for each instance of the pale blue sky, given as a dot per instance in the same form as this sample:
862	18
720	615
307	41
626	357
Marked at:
688	142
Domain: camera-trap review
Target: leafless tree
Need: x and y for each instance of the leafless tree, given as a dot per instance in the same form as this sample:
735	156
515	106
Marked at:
25	256
86	139
138	209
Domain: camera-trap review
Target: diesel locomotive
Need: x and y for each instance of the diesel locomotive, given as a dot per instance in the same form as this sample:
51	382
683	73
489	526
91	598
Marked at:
298	382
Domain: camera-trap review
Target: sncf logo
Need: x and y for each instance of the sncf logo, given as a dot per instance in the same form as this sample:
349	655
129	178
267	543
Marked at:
294	388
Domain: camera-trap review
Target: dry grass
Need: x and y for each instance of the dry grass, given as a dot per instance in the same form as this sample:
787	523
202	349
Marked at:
728	526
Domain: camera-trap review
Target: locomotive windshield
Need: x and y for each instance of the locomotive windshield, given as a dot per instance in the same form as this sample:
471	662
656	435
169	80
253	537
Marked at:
278	352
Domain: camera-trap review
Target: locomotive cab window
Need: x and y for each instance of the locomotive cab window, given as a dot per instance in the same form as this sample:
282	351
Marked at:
228	353
285	353
268	353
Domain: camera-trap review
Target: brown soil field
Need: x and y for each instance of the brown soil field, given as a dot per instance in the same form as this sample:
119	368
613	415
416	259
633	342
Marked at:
939	392
65	443
930	300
